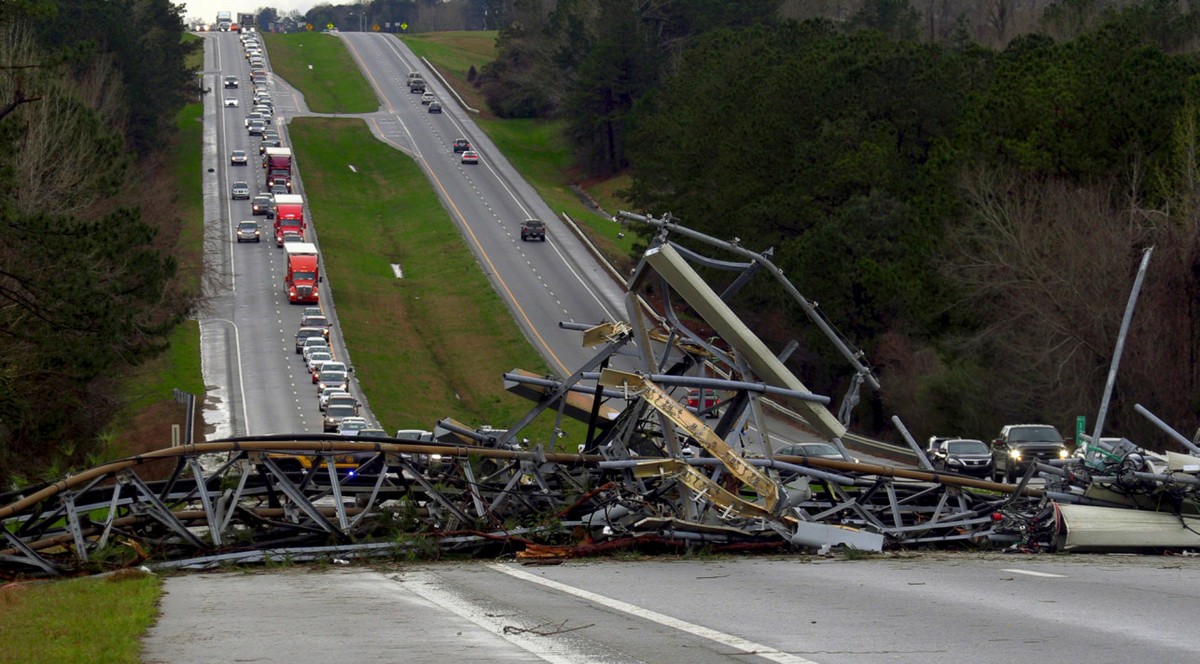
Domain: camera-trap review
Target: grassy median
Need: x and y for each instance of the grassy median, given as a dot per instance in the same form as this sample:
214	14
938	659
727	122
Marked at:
321	67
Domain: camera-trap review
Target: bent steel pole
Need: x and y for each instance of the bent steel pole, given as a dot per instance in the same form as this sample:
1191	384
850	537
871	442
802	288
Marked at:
853	356
1116	361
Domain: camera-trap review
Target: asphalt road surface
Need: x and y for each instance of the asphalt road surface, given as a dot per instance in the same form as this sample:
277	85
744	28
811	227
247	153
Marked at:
930	608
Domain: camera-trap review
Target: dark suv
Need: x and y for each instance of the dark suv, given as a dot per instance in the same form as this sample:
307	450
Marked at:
533	229
1021	445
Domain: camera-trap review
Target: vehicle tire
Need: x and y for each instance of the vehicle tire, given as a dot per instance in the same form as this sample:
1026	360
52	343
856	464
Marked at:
1009	476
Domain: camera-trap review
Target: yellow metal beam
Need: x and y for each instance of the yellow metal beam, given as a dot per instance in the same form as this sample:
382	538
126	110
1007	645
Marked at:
658	399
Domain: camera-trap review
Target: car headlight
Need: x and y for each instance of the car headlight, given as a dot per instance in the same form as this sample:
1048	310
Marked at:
1015	455
953	462
1063	453
321	386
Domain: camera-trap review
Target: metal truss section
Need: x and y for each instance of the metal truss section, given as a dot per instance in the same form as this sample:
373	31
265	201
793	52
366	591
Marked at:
652	473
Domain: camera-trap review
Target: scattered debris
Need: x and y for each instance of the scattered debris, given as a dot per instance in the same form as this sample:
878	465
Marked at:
652	475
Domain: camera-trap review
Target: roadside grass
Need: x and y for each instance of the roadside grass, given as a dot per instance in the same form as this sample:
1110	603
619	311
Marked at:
195	61
435	343
536	148
453	54
78	620
188	171
322	69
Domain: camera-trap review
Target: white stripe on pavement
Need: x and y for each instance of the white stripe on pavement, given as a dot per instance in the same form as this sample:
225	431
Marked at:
750	647
1045	575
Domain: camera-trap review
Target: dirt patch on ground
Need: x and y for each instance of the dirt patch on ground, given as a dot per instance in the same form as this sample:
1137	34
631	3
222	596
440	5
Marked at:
149	429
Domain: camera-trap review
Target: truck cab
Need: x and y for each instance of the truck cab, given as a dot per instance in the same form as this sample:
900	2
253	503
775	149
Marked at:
288	213
303	272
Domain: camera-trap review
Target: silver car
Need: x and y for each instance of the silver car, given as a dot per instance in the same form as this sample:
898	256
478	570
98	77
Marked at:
240	191
247	231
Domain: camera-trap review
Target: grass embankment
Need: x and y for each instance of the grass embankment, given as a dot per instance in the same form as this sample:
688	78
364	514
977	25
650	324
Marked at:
80	620
321	67
435	343
537	148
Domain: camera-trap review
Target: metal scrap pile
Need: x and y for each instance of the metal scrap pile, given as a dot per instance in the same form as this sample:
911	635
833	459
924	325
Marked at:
652	473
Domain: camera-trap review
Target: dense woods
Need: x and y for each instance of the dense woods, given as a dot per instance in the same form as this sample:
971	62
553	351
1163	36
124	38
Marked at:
89	91
968	209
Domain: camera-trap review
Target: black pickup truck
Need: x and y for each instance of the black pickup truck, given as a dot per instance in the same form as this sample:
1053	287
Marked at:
1020	445
533	229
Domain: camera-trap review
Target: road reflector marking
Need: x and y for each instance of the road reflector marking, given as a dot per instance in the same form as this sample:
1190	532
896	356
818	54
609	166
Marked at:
1044	575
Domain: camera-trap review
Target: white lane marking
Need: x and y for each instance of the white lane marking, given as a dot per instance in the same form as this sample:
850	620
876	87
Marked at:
1045	575
758	649
558	651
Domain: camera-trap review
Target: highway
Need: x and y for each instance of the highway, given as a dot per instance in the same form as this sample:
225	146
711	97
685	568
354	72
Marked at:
248	326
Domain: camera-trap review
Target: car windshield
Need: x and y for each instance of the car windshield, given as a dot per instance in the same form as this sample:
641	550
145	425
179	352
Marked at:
966	447
340	411
343	400
248	226
303	276
819	449
331	376
1045	434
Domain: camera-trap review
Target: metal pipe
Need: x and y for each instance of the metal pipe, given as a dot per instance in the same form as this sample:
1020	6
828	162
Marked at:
723	384
555	384
1168	479
921	458
1116	361
1166	428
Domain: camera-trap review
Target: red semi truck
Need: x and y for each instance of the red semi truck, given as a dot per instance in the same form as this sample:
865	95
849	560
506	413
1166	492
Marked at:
303	272
278	164
289	215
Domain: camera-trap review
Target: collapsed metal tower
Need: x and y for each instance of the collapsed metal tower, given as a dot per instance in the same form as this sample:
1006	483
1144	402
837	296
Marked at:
651	473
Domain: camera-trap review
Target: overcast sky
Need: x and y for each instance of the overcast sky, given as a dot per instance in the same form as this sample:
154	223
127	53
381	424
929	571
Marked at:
207	9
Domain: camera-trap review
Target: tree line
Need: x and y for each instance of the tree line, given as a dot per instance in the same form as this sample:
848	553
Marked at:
970	215
89	92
